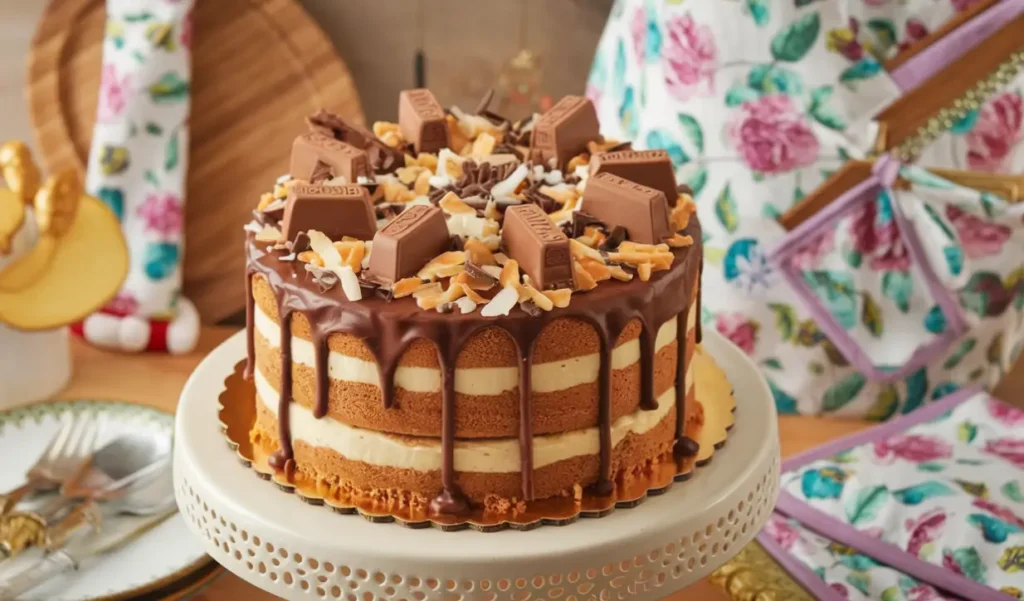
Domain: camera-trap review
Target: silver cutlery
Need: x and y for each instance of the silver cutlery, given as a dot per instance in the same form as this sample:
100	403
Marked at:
72	445
147	502
106	476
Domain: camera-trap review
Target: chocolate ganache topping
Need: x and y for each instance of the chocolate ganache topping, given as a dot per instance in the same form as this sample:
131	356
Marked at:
387	323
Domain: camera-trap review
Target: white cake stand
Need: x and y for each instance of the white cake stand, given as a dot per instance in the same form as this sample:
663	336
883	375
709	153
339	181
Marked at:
298	551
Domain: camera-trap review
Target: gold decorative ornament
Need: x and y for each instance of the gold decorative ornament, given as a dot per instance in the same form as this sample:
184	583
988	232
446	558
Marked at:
77	258
753	575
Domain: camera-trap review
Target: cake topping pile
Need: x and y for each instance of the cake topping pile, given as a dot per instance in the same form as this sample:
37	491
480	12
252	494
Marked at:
466	212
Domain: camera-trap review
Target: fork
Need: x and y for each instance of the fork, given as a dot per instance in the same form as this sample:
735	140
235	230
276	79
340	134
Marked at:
71	446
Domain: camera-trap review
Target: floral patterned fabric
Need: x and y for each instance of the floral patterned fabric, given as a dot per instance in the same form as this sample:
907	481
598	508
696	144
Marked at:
949	492
849	574
757	103
138	158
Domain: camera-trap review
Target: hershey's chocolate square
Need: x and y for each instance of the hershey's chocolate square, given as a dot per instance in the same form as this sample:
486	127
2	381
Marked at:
317	157
563	131
643	211
539	246
408	242
652	168
421	120
337	211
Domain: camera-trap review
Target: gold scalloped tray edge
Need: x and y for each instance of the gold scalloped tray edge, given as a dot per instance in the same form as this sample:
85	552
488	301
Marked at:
235	423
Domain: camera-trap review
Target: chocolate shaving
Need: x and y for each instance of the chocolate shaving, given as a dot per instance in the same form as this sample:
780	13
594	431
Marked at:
517	136
457	243
336	126
383	158
385	293
479	273
620	146
445	307
300	243
531	308
616	237
477	179
684	189
505	148
580	222
535	196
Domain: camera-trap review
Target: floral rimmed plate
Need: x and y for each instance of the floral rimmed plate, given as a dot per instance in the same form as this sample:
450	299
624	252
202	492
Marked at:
157	564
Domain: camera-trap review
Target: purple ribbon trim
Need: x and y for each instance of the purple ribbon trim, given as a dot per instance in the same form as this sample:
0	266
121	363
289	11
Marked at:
927	413
892	556
883	174
961	40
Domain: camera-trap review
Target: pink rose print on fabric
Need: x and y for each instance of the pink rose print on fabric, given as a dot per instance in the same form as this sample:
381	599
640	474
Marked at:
924	592
162	213
638	33
879	241
781	532
737	328
1005	414
840	589
810	255
114	92
122	305
689	56
1010	449
772	135
912	447
991	141
186	31
1000	512
980	238
924	530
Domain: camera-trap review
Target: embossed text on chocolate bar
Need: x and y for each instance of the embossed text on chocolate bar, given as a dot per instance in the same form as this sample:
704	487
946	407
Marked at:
337	211
317	157
539	246
652	168
643	211
421	120
563	131
408	242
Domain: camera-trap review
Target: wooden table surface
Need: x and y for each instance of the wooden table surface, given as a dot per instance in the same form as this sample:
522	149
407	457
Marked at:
157	380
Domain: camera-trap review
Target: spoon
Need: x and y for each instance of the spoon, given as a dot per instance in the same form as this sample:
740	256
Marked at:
108	474
150	500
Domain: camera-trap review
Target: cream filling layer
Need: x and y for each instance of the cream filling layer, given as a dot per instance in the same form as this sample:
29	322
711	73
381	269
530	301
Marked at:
500	455
551	376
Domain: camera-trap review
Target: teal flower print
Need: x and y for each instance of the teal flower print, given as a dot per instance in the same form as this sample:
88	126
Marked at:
993	529
824	483
917	494
746	266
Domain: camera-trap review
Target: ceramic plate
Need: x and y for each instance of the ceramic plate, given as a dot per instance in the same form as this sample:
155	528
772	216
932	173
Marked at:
163	558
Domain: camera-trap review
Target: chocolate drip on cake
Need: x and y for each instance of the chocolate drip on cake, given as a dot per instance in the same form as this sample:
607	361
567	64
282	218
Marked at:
700	314
284	456
680	384
648	401
250	342
321	352
525	350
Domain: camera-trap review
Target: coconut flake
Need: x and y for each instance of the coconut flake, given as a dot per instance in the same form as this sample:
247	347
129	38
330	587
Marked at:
366	257
553	177
341	180
362	180
502	303
283	178
466	305
253	227
269	233
419	200
492	270
349	283
466	225
507	187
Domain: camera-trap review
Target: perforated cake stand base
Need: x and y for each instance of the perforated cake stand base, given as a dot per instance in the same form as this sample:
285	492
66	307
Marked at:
298	551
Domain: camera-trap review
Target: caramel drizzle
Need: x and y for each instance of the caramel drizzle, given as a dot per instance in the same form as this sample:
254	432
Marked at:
388	339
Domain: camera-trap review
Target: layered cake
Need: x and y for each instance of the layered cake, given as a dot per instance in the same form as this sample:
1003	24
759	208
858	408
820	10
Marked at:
459	313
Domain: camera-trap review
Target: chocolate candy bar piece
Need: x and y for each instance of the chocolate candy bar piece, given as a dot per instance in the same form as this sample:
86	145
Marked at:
339	128
563	131
421	120
408	242
337	211
641	210
539	246
652	168
317	157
